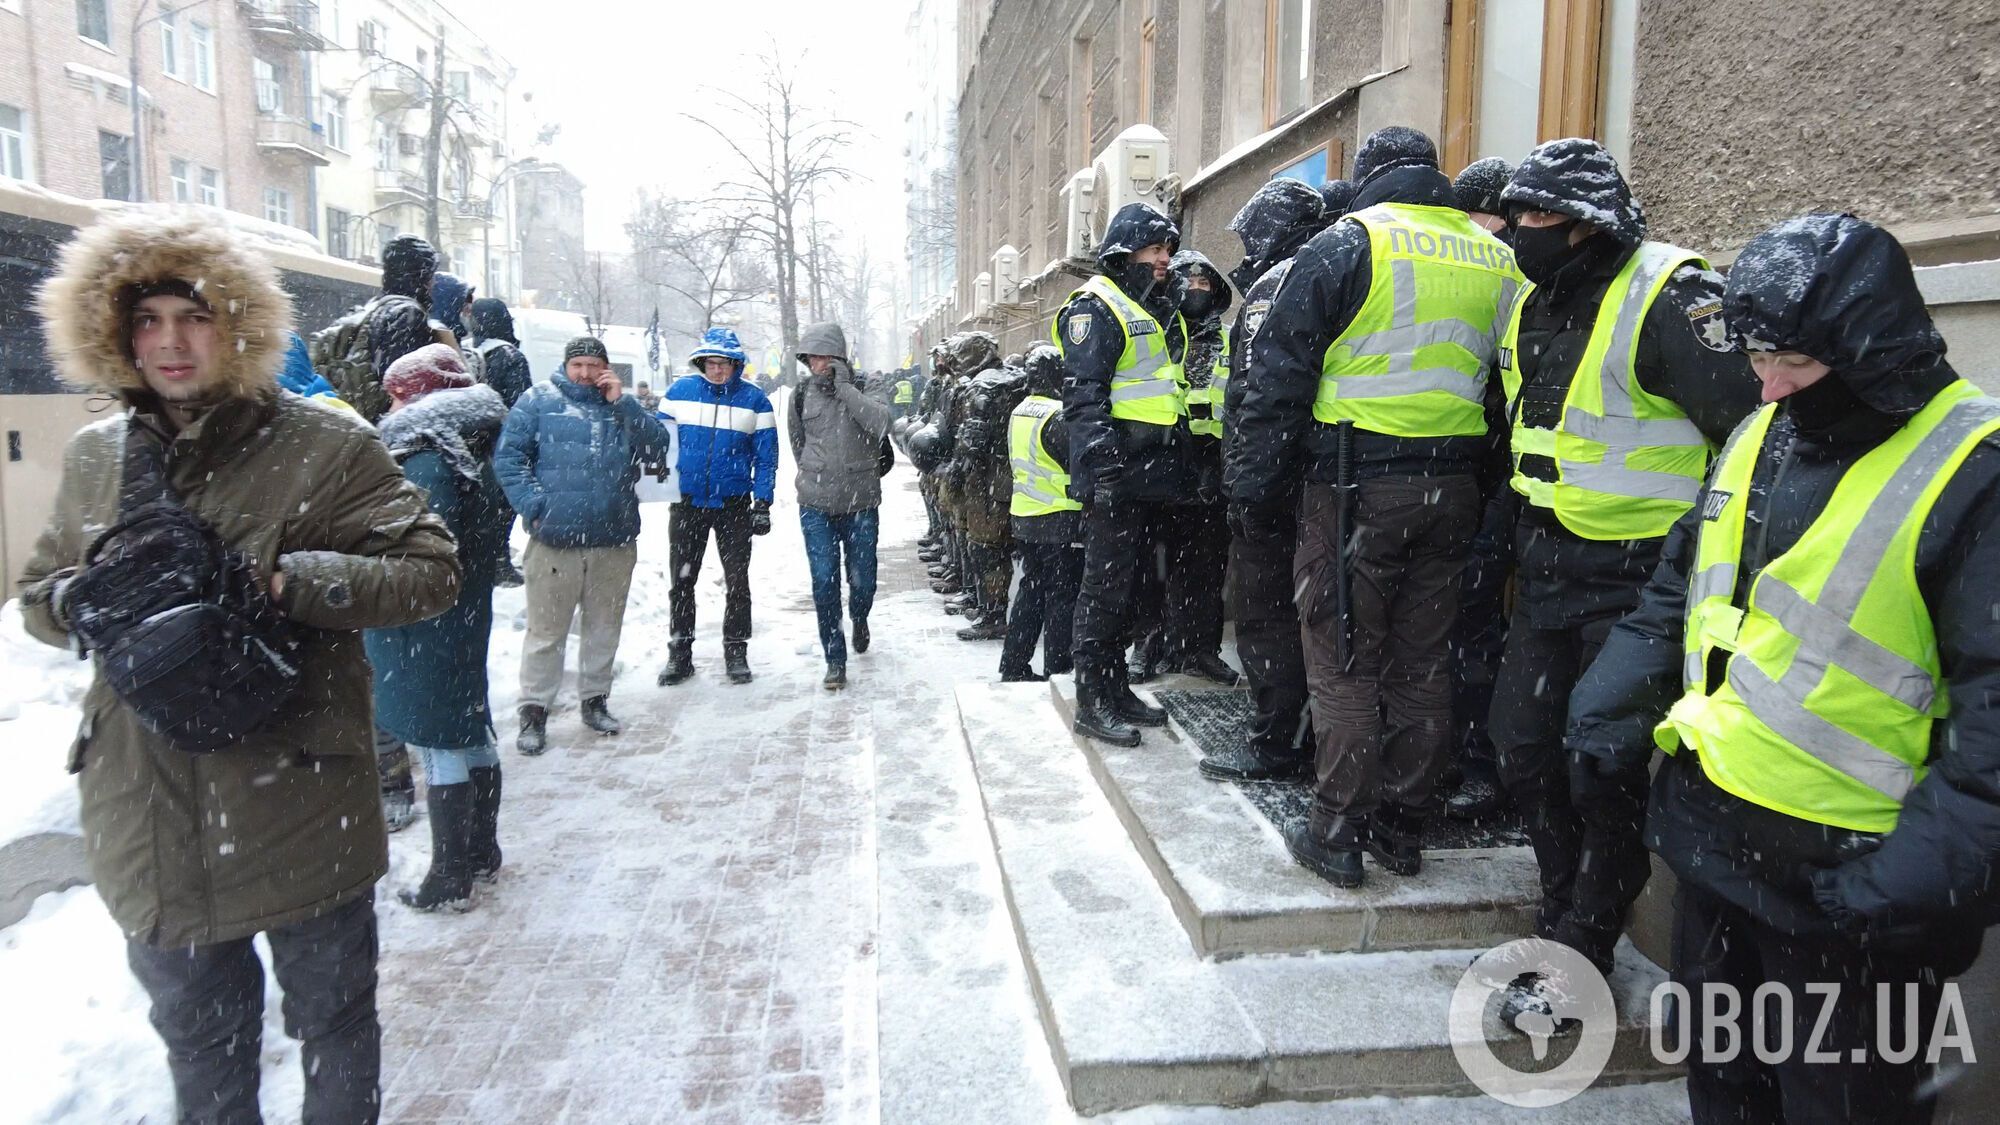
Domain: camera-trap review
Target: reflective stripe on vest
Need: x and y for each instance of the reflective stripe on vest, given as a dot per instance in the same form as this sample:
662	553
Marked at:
1628	463
1833	676
1413	361
1149	384
1040	485
1205	403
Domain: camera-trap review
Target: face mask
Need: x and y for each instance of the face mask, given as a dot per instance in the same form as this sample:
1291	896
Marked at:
1542	252
1198	304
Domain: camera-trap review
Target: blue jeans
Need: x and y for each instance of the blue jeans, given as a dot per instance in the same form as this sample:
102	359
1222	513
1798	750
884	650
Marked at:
827	537
448	767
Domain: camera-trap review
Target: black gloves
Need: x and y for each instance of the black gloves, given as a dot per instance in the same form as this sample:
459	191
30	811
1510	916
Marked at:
760	518
1597	778
1104	482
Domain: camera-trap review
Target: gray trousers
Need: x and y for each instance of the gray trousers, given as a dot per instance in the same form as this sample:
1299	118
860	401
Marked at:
561	581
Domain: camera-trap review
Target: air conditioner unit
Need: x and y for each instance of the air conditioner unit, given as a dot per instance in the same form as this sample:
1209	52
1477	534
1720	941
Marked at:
1133	168
982	293
1006	275
1078	200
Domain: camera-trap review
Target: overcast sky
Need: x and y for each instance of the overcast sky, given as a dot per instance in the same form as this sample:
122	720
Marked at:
618	74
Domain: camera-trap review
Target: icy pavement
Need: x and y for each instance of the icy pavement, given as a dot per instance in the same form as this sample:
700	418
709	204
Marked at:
761	903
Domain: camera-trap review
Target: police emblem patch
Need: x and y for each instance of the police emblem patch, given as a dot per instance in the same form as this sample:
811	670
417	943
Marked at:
1079	328
1709	327
1253	317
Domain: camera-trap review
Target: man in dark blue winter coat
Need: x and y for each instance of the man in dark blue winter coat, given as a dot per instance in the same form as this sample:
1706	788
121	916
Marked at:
728	468
501	364
568	459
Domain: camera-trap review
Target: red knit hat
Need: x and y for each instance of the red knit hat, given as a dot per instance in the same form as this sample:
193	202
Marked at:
433	367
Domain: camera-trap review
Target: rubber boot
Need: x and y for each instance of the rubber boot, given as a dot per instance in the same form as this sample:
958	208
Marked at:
449	884
485	855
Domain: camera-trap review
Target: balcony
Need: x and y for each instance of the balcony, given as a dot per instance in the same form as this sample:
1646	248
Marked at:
290	24
290	138
471	211
393	185
392	87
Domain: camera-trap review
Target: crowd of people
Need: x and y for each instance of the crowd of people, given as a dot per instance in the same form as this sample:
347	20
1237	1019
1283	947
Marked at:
1507	497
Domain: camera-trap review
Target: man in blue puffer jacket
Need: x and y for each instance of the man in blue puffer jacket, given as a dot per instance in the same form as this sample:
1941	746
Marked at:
568	459
728	467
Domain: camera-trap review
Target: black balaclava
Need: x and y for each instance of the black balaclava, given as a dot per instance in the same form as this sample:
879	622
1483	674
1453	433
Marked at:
1197	304
1547	258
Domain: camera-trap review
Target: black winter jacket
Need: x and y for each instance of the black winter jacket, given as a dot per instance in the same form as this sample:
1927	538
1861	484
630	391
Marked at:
1276	437
1153	459
1566	580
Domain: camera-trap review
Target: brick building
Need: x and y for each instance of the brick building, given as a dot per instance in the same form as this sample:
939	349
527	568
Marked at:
1725	116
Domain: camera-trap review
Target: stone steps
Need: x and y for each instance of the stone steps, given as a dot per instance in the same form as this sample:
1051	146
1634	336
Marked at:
1136	1016
1236	889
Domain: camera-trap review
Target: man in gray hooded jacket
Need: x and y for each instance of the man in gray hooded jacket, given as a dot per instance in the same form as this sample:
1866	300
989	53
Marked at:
837	435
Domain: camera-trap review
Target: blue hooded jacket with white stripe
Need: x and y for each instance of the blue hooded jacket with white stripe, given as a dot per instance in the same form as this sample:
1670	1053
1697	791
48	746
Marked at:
728	439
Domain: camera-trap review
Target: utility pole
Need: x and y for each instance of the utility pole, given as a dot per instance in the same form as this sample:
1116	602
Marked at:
434	143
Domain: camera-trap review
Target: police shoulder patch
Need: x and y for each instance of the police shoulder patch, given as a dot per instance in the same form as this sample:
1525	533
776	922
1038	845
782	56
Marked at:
1079	327
1253	316
1709	327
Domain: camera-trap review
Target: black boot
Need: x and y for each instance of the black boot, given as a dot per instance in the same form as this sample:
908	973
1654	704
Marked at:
534	736
399	787
938	571
858	638
1129	707
449	884
485	852
1144	665
1249	764
1525	1008
736	661
1021	676
836	677
1210	666
1474	798
1336	859
597	716
680	665
1396	840
1096	718
992	628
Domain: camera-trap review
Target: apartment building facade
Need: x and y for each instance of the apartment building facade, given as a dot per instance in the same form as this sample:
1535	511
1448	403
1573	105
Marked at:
314	116
1725	117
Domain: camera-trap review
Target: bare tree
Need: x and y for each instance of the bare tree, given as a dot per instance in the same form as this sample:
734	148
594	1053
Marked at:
783	148
701	254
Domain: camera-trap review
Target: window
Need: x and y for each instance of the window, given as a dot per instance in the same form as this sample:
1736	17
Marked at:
459	82
339	233
170	46
278	205
211	187
1149	36
270	86
336	121
330	11
423	62
201	44
114	159
13	142
369	37
385	149
1507	123
182	175
1288	57
1522	71
93	21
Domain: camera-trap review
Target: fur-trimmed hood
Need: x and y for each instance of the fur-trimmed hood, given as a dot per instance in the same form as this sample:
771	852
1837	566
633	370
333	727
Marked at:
86	318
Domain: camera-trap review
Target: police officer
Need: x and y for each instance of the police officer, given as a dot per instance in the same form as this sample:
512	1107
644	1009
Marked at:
903	396
1481	632
1376	353
1621	383
973	354
988	494
1047	529
1263	536
1180	614
1818	650
1123	341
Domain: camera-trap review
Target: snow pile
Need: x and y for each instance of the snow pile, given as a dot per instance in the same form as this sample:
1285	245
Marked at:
41	692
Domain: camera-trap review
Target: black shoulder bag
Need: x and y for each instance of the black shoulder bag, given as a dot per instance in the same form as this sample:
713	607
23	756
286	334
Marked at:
183	631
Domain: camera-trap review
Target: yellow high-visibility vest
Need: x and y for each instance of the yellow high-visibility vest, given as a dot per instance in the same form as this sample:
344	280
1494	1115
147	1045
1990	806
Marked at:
1041	486
906	392
1149	385
1628	463
1413	361
1833	678
1205	403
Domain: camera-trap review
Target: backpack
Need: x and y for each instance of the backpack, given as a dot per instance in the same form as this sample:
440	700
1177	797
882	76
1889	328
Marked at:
344	353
